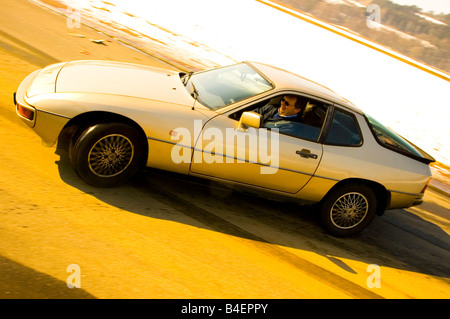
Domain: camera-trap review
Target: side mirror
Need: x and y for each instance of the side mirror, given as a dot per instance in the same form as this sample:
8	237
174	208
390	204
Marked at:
249	119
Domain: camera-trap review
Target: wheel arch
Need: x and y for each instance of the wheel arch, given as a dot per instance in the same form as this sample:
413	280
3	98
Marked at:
383	196
77	125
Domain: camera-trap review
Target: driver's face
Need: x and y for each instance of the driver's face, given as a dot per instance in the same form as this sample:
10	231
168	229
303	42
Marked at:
287	107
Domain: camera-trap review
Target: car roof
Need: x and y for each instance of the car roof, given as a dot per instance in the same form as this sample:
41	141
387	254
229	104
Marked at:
286	80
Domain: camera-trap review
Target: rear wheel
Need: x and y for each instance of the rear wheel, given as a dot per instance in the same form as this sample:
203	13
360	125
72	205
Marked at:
348	210
108	154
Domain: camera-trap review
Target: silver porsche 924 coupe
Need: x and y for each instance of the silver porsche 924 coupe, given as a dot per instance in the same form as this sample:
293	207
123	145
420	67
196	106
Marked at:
249	124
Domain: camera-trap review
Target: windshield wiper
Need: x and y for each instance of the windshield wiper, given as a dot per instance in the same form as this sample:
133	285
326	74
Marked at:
194	94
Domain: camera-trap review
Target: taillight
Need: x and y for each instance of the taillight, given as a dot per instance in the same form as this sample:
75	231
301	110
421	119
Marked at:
25	112
426	185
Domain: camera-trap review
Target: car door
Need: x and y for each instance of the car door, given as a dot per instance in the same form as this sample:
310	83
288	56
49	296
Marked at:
258	156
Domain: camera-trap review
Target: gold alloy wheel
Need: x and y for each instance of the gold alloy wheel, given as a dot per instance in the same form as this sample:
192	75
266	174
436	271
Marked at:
349	210
110	155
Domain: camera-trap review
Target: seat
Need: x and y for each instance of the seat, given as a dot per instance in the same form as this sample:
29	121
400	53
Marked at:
313	115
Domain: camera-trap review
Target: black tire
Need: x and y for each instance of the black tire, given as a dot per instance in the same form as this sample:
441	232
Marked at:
108	154
348	210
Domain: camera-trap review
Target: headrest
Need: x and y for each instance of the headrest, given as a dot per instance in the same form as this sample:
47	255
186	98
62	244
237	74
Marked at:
313	115
275	100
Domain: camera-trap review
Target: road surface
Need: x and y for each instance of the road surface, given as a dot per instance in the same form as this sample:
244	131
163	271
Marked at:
169	236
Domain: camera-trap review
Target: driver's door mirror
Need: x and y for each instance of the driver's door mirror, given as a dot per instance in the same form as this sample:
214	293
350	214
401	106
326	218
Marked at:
249	119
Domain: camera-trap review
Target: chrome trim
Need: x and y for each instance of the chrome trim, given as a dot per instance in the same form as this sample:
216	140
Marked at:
55	114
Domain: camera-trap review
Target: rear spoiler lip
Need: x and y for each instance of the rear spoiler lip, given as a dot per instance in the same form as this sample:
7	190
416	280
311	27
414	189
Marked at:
426	158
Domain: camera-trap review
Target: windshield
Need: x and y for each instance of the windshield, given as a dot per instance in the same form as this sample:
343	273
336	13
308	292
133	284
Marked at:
220	87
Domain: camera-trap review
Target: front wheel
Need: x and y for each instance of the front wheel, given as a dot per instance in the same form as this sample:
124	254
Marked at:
348	210
108	154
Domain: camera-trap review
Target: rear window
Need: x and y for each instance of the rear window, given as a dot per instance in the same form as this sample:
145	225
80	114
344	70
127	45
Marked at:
390	139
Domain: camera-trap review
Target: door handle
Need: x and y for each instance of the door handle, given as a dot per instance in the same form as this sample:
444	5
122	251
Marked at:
306	154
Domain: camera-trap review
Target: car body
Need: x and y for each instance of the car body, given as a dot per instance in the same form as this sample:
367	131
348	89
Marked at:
121	117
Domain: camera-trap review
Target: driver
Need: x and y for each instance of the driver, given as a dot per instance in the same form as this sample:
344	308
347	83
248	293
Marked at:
289	110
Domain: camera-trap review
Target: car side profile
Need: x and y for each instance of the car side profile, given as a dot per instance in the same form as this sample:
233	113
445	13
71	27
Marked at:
121	117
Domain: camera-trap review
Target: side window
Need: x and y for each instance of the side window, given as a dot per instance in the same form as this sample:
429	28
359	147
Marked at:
307	124
344	130
295	129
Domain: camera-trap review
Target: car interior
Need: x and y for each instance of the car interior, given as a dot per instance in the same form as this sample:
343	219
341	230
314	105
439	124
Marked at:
309	127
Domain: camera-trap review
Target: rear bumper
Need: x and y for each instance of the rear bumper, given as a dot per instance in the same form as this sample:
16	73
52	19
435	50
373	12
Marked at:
417	202
404	200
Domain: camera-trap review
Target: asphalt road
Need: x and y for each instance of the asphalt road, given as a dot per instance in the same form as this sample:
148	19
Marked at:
169	236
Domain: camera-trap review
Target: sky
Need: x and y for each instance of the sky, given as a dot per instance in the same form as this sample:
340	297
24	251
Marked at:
437	6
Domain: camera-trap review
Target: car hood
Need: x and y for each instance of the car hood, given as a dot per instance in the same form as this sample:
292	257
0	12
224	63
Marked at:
106	77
